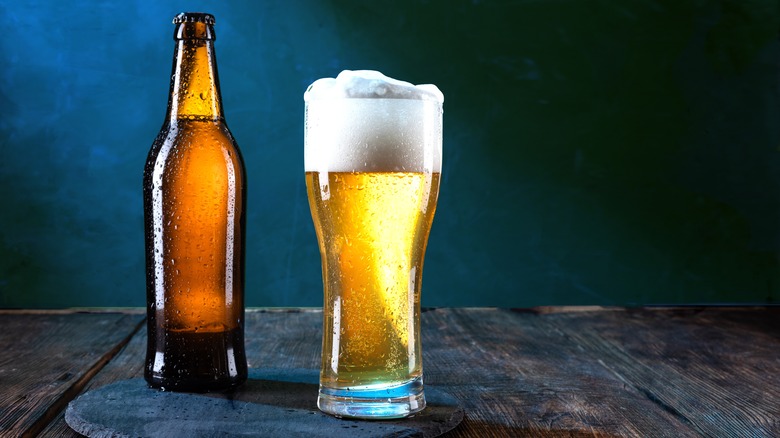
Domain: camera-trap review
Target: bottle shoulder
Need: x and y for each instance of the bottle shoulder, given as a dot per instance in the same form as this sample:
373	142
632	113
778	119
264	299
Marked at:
195	140
195	134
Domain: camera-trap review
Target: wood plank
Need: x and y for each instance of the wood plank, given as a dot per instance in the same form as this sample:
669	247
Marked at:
127	364
717	370
275	338
577	372
46	359
519	376
514	372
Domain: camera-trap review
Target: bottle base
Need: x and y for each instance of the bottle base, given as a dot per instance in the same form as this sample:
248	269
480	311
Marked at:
373	402
197	362
194	385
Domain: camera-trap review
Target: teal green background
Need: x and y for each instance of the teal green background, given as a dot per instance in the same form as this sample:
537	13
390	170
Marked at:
595	152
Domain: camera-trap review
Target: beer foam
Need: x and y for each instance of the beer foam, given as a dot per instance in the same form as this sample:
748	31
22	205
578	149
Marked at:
369	84
366	121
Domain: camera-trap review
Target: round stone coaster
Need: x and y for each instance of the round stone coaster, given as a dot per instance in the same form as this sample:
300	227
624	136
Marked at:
273	402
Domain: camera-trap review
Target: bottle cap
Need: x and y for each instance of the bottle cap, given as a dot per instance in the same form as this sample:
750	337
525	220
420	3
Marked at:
193	17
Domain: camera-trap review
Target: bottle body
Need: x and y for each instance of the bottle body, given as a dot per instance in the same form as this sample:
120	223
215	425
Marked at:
194	203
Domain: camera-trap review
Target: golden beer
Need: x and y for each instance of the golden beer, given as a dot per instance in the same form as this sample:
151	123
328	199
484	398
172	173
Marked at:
372	228
372	155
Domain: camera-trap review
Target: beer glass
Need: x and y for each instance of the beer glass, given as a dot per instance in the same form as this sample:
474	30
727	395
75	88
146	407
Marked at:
372	152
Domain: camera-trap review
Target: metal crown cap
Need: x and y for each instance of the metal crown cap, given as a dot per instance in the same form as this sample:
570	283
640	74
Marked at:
194	17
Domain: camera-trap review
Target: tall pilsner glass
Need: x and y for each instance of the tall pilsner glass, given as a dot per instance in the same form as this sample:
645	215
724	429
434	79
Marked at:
373	161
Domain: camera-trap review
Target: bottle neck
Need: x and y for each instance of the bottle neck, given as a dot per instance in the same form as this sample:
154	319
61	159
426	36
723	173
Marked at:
194	84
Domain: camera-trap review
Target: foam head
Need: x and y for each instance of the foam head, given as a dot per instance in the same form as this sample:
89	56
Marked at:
366	121
369	84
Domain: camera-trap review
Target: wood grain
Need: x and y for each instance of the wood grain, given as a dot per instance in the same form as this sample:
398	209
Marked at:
519	376
47	357
556	372
277	338
717	371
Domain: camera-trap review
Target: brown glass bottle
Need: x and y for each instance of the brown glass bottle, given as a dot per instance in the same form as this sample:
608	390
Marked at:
194	201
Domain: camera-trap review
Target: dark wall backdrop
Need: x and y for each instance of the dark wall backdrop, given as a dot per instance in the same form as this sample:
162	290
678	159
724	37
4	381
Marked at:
596	152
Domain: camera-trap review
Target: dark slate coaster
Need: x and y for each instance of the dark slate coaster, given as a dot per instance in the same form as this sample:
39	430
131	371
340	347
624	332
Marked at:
273	402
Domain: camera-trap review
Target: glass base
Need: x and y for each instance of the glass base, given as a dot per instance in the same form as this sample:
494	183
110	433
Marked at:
374	401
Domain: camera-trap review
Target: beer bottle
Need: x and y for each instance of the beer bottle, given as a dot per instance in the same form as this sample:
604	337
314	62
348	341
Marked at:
194	201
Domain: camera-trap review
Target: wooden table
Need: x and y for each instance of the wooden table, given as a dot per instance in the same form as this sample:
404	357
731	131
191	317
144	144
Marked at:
678	372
